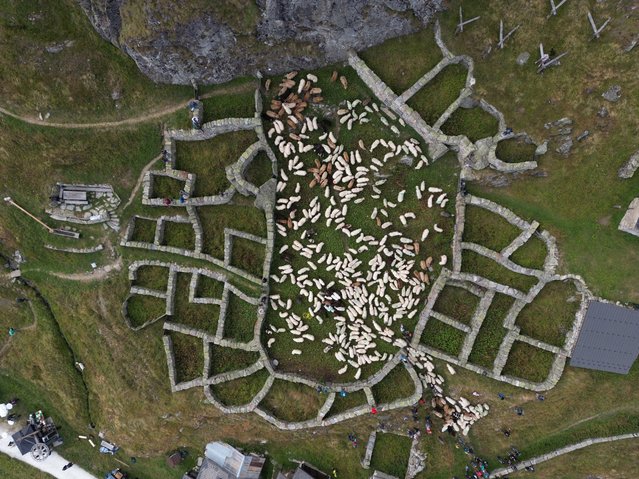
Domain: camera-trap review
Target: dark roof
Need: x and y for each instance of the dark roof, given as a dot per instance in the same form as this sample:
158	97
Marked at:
210	470
608	340
306	471
23	442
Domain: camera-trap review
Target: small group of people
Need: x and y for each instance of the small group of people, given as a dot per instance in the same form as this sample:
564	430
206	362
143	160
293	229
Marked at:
477	469
511	459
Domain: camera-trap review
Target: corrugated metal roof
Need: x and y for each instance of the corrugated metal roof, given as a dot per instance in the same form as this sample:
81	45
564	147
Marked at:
233	461
608	340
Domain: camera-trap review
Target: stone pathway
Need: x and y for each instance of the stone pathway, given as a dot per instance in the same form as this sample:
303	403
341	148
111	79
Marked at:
147	117
564	450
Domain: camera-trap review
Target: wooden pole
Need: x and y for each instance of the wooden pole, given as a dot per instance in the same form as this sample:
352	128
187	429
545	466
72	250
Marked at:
554	7
460	25
597	31
502	38
11	202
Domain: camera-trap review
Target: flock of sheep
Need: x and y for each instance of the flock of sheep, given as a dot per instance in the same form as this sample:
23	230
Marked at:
378	280
363	278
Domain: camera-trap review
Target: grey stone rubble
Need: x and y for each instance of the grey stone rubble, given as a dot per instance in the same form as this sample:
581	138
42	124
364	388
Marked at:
561	129
612	94
472	156
92	249
523	58
486	290
382	475
564	450
370	445
416	460
629	167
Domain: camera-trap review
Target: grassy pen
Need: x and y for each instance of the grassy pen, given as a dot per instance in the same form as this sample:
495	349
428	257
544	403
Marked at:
528	362
551	315
215	219
456	303
443	337
433	100
477	264
200	316
153	277
350	401
240	391
207	159
515	151
179	235
532	254
260	170
474	123
189	356
227	359
488	229
209	288
396	385
240	319
390	454
248	255
141	309
491	333
291	401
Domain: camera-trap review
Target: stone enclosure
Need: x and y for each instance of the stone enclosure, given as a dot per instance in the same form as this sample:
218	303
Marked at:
471	156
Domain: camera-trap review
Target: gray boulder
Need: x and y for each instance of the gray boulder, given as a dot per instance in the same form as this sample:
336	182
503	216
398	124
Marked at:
612	94
211	46
629	168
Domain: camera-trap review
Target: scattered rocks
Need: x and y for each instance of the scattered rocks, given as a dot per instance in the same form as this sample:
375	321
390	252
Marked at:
58	47
406	160
523	58
603	112
584	135
565	146
613	94
629	168
562	122
562	129
632	44
542	149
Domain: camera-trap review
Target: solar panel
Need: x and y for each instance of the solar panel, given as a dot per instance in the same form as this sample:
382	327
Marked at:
608	340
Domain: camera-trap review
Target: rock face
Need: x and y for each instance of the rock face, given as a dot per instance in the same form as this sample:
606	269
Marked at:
213	43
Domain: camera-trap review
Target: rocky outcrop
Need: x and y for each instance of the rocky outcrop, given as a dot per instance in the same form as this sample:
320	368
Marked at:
211	45
629	167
